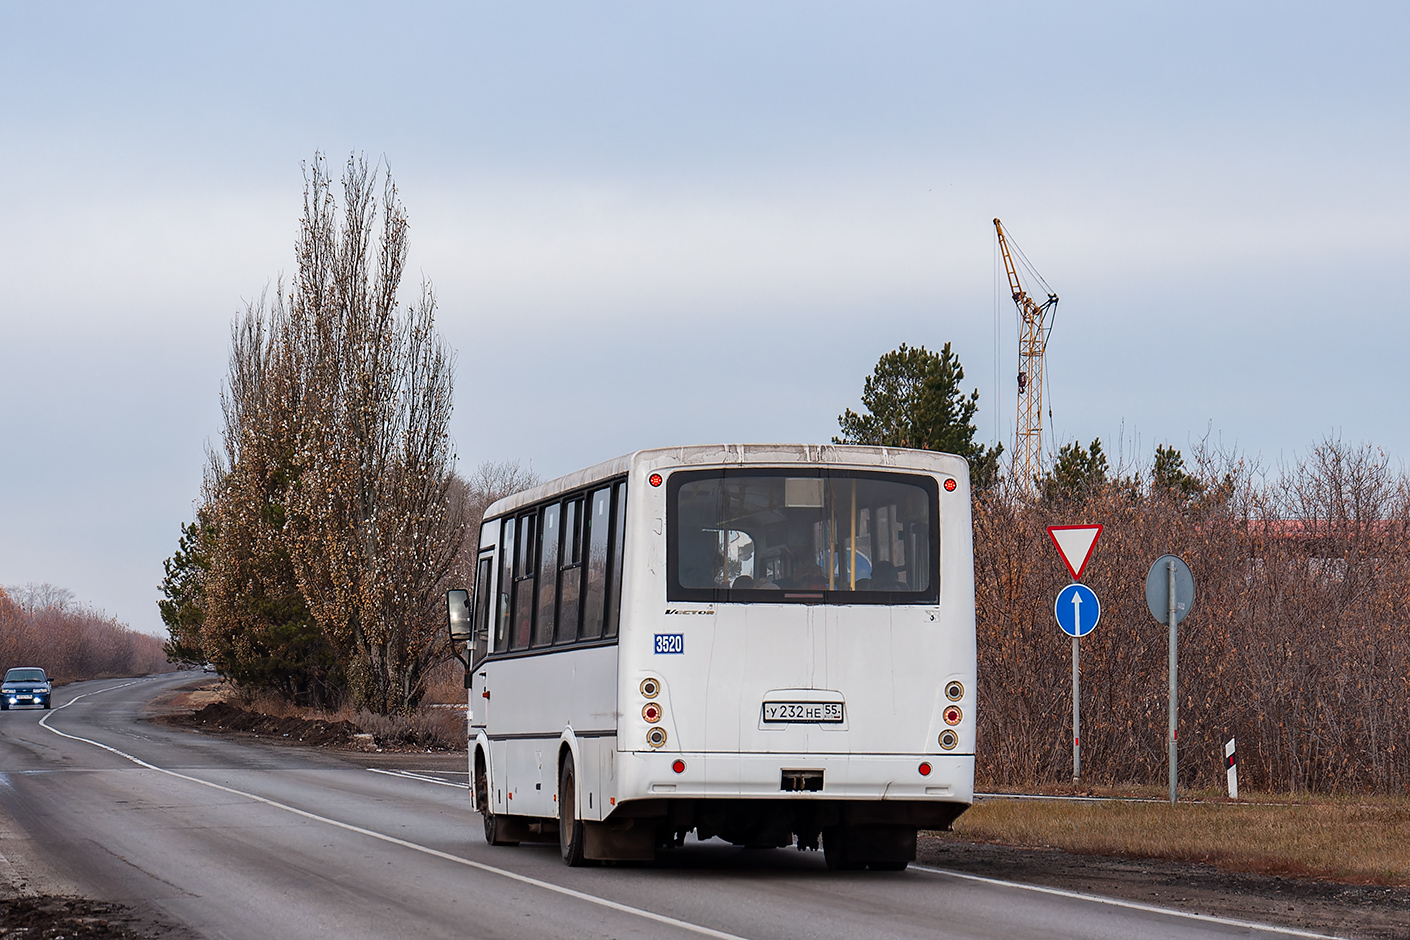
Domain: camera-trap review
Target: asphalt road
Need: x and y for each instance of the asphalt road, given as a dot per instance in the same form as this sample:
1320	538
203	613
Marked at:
241	839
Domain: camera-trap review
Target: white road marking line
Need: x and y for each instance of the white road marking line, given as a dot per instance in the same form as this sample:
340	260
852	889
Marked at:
393	840
414	776
1131	905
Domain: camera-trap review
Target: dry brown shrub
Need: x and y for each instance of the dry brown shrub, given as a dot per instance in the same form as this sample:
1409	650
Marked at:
438	729
1298	645
73	643
445	684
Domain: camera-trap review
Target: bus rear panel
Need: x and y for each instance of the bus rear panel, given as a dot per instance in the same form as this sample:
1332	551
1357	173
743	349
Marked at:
769	644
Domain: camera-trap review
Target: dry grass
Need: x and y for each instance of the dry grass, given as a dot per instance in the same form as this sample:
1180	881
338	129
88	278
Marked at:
427	728
441	729
1356	842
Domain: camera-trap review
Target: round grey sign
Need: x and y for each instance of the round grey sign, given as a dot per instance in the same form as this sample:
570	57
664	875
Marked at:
1158	589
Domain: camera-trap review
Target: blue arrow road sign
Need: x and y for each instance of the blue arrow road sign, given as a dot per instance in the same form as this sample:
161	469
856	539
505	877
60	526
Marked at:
1077	610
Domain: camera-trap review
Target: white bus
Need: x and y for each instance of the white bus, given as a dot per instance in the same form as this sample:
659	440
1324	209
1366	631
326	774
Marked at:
772	644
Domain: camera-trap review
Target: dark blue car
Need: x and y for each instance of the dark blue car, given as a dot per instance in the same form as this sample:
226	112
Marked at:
25	685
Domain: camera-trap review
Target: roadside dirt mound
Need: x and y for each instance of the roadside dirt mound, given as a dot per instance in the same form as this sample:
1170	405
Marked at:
223	717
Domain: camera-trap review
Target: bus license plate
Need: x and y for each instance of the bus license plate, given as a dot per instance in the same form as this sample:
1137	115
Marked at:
803	711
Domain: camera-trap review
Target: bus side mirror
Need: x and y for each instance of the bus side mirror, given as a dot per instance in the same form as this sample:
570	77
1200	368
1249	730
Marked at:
462	628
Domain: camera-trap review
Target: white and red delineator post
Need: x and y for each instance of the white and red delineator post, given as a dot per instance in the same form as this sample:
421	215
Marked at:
1231	767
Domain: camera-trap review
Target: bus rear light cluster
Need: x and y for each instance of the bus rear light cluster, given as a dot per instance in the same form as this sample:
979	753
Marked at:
949	740
954	691
953	715
652	712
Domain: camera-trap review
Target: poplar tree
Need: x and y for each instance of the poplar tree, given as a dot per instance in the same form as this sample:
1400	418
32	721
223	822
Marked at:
333	521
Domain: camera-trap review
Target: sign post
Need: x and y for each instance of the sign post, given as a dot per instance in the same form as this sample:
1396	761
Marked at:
1077	611
1170	593
1075	544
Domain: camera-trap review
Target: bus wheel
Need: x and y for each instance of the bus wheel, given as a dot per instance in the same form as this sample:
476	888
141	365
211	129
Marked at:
493	826
835	850
493	823
880	848
570	827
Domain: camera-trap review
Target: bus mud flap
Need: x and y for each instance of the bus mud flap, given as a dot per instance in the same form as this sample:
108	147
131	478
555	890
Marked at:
624	840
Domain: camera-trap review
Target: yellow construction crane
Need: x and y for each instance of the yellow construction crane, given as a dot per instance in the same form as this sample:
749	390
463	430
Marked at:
1035	322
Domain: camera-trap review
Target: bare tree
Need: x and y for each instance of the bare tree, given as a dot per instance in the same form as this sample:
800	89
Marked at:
373	532
32	597
490	481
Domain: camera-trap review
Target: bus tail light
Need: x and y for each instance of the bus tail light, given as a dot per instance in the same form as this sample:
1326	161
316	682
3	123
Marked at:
954	691
949	740
656	737
953	715
924	768
651	712
650	688
679	766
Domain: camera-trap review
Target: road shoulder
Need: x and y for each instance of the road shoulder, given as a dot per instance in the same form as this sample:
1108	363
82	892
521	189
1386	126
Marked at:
1321	907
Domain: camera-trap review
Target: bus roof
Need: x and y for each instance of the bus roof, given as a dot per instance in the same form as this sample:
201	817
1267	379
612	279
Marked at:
707	455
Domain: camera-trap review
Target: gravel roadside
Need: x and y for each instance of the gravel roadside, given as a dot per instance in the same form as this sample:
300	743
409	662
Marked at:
1359	911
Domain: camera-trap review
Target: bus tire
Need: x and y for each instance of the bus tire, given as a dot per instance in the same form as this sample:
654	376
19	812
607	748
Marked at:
835	850
570	827
879	848
494	825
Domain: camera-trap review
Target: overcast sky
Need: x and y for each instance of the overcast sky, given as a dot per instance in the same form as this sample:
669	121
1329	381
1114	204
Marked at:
656	223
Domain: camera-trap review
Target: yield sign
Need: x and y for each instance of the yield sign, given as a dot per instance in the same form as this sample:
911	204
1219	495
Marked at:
1075	543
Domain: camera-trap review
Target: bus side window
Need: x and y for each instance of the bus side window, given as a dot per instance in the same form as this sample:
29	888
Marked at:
599	520
619	531
524	583
571	577
547	574
484	593
506	584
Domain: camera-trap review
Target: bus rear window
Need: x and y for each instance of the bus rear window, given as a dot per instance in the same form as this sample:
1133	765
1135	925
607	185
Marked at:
774	536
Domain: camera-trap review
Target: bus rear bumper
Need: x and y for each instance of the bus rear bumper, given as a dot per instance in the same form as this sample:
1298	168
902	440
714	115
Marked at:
945	778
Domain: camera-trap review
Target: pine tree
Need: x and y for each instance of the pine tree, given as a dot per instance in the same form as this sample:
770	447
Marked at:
913	399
